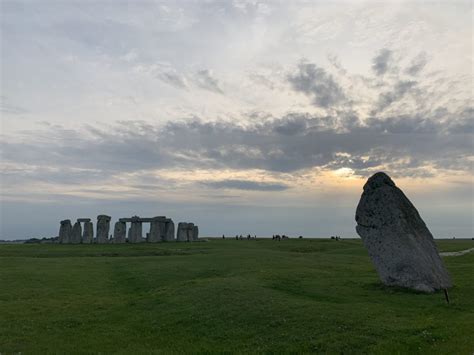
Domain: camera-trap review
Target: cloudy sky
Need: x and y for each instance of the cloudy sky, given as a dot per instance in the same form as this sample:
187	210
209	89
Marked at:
241	116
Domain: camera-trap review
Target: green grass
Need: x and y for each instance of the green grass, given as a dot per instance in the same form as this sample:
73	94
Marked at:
296	296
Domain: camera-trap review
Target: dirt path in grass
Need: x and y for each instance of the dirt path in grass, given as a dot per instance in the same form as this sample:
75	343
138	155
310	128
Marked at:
457	253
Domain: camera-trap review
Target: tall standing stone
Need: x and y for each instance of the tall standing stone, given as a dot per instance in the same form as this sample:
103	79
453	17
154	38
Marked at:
182	235
135	233
399	243
195	233
88	233
190	232
169	231
157	226
103	227
120	230
76	234
65	231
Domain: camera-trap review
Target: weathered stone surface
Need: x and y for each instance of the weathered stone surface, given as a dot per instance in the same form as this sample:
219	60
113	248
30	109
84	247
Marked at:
120	232
157	230
182	235
103	227
400	245
135	232
81	220
169	231
76	235
154	235
187	232
190	232
88	233
65	231
195	233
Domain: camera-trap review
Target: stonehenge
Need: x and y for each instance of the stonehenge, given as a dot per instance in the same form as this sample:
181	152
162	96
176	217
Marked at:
399	243
162	229
103	226
76	235
88	233
187	232
120	232
65	231
69	234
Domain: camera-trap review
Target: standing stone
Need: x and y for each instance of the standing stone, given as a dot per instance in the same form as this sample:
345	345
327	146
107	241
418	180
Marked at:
169	231
190	232
88	233
195	233
399	243
182	235
156	230
135	232
103	227
65	231
76	233
120	232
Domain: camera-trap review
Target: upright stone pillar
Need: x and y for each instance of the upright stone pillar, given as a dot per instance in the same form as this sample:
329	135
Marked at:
182	235
190	232
169	231
119	232
155	234
65	231
195	233
103	227
88	233
76	233
135	233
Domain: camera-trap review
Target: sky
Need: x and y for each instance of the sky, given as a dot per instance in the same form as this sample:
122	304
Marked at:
261	117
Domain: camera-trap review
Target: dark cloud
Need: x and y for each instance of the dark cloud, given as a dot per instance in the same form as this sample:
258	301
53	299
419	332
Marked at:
399	90
291	143
406	143
207	81
317	84
381	62
245	185
417	64
173	79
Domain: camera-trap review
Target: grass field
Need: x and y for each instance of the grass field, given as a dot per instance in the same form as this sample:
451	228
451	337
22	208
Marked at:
297	295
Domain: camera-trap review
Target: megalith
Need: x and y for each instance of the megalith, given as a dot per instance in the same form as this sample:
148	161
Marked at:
88	233
65	231
195	233
169	230
135	232
120	230
182	235
103	227
76	234
157	230
399	243
187	232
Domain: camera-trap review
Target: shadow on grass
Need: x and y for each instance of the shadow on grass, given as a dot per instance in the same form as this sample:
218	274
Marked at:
379	286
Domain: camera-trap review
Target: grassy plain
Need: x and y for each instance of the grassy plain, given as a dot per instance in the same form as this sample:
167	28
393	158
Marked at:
297	295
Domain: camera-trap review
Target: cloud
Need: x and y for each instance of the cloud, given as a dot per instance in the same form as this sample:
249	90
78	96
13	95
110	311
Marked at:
174	79
316	83
205	80
8	108
417	64
245	185
399	90
381	62
288	144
